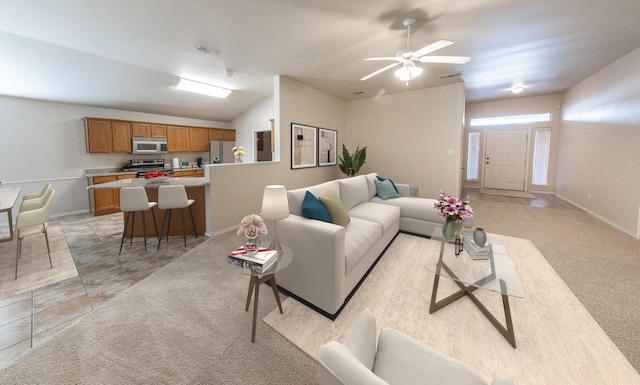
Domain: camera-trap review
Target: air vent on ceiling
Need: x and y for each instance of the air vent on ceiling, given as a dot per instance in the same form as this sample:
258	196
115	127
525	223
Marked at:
452	75
206	50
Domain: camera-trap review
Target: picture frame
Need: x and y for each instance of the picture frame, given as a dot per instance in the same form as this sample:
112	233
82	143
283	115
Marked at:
304	146
327	147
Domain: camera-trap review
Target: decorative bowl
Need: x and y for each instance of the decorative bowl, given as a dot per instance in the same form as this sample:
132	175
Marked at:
158	179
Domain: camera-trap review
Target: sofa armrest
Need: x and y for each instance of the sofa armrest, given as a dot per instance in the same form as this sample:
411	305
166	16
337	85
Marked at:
403	189
317	272
502	380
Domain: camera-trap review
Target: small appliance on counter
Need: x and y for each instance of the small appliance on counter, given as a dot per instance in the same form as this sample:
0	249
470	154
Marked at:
175	163
199	162
142	166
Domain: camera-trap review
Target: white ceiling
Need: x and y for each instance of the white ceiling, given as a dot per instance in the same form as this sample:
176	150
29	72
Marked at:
128	55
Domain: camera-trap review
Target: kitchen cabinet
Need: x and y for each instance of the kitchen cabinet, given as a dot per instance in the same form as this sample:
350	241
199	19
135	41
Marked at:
199	139
104	202
229	135
107	136
189	173
215	134
178	139
121	132
140	130
158	130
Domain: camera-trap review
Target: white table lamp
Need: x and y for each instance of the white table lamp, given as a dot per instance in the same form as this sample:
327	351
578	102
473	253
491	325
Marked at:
275	206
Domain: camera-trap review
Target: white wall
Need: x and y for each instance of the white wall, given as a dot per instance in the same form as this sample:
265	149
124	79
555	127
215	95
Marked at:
45	142
598	160
411	137
518	106
254	119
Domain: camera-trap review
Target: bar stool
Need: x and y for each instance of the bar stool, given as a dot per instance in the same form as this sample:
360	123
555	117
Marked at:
174	197
133	200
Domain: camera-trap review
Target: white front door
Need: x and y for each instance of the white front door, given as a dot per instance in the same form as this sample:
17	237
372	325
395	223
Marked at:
505	159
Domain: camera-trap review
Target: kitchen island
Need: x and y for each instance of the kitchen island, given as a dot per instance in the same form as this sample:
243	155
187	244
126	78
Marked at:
195	191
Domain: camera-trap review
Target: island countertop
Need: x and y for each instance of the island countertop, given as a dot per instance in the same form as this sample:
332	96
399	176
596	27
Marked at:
150	183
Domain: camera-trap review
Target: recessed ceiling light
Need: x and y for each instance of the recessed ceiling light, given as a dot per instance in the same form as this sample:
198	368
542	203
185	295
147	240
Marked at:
202	88
517	89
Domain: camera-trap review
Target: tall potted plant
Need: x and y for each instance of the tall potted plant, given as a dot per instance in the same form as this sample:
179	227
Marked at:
350	163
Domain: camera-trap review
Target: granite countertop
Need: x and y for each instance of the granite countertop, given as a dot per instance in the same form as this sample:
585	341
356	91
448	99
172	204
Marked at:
150	183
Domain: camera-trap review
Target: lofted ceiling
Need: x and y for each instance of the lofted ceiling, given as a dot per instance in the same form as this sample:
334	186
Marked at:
128	55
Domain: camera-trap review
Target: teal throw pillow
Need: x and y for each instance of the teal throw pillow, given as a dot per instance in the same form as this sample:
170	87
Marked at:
381	179
385	190
312	208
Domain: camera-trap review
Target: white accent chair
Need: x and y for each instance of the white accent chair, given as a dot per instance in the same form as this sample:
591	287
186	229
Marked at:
395	359
34	221
35	200
134	200
174	197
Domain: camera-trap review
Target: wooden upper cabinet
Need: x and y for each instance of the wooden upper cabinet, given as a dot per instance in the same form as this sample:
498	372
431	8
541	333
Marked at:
229	135
215	134
199	139
178	139
140	130
99	136
121	136
158	130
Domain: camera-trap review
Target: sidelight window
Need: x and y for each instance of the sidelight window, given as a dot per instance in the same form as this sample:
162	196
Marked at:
541	156
473	156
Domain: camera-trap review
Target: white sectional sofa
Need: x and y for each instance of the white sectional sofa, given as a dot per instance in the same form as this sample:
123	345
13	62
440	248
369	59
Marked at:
329	259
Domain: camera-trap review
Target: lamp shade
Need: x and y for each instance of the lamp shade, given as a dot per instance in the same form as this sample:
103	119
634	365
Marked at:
274	202
408	72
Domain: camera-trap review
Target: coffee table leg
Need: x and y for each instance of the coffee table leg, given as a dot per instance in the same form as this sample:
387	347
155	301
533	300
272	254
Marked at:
251	283
256	286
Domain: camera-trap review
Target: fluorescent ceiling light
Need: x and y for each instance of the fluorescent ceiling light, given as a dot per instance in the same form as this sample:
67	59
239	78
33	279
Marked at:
202	88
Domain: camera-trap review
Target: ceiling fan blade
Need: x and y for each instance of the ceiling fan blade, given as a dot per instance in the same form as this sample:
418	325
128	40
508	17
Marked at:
445	59
395	58
432	47
379	71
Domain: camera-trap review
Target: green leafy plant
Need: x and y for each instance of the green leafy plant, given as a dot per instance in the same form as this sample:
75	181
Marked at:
350	163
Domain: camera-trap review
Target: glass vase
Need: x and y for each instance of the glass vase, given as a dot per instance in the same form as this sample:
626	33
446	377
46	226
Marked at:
450	228
251	245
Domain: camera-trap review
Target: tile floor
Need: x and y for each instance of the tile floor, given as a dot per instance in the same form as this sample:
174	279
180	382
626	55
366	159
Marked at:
28	319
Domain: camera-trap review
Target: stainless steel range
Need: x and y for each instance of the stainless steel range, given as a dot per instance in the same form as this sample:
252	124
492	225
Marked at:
142	166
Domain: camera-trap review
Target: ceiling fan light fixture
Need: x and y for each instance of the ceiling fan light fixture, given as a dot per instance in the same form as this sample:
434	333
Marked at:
202	88
408	72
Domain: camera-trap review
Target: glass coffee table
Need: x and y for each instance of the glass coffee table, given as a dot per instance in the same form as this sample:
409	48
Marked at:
497	273
256	279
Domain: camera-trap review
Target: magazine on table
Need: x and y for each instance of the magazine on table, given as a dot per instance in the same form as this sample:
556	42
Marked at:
475	251
261	261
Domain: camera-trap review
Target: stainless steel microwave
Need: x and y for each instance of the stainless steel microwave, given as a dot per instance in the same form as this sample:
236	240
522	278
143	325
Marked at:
148	145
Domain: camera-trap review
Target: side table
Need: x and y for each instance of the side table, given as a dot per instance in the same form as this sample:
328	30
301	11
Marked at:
256	279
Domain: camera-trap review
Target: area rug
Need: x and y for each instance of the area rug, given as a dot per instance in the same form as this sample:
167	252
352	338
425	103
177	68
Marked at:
183	324
34	270
507	193
558	342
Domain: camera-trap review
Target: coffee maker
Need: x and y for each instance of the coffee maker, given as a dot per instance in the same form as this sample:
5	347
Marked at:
199	162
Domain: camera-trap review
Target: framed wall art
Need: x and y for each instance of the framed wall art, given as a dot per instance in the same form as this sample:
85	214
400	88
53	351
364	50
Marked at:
303	146
327	147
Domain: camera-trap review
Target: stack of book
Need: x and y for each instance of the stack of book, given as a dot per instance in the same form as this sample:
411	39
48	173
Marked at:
259	262
475	251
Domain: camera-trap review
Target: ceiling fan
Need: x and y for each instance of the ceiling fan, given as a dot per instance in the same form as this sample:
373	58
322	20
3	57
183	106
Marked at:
407	57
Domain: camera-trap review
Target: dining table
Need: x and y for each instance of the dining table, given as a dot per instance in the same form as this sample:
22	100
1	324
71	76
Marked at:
8	198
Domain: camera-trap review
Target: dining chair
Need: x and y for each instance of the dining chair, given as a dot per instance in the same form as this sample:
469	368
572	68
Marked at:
35	200
134	200
174	197
33	222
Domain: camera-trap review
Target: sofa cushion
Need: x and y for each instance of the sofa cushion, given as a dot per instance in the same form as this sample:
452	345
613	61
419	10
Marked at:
334	206
359	237
353	191
296	197
386	215
312	208
416	208
386	190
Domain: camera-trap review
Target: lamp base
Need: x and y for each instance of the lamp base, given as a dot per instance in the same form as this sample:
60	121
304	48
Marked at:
275	245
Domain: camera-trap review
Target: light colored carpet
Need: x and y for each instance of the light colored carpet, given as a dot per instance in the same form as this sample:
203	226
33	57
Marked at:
558	342
507	193
34	270
184	324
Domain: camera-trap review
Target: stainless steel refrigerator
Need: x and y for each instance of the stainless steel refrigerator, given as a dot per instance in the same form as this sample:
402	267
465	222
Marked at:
221	152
